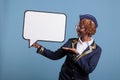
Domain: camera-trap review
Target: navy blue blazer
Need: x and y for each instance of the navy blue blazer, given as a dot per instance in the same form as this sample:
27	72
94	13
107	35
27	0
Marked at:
76	66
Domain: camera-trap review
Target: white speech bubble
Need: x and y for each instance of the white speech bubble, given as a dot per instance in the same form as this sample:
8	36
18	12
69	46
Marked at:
45	26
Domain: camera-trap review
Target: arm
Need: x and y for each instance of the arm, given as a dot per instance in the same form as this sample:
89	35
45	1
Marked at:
54	55
51	54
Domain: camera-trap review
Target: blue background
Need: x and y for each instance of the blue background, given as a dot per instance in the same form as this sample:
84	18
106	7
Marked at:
18	62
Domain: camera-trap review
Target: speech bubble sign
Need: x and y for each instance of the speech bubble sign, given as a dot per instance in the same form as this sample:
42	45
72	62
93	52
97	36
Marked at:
44	26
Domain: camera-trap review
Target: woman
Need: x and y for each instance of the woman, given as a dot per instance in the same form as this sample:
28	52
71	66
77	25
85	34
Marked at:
82	53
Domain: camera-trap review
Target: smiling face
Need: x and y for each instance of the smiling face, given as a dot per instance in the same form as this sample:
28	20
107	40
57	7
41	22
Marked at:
86	27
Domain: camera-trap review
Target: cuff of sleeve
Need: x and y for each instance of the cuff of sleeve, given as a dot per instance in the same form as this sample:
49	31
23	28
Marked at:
40	50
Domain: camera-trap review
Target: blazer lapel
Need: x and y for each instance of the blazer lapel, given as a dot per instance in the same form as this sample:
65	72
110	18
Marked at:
74	43
88	50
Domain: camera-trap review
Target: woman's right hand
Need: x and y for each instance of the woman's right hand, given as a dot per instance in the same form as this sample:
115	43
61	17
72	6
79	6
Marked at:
36	45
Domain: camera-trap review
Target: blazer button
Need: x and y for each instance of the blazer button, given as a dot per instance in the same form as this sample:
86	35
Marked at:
72	54
73	78
73	70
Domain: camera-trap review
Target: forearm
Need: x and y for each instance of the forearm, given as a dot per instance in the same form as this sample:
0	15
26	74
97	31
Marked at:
54	55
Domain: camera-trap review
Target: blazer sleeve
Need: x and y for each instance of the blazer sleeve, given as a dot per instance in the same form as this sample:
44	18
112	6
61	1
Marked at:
54	55
88	63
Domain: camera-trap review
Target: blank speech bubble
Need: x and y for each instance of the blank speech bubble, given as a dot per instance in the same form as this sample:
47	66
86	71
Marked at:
45	26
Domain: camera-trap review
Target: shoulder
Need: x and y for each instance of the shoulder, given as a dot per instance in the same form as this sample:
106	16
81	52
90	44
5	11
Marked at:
98	48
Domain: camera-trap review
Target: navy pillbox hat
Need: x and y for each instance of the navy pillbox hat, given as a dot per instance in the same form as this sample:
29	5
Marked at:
88	16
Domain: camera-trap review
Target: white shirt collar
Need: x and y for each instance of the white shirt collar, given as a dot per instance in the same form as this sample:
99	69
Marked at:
88	43
81	46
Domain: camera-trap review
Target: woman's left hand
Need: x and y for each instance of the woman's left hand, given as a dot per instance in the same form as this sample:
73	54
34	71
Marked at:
70	49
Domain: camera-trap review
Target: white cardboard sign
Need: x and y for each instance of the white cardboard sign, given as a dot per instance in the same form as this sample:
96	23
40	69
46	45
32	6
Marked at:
44	26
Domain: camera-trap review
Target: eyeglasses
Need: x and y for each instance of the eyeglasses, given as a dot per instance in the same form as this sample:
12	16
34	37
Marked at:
80	26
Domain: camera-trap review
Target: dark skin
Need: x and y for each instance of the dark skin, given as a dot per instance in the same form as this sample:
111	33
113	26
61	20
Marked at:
81	33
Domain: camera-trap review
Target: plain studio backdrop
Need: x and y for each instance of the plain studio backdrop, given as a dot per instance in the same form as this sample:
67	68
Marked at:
18	62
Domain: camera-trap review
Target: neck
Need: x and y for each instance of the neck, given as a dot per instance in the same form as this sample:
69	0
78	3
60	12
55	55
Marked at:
85	38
